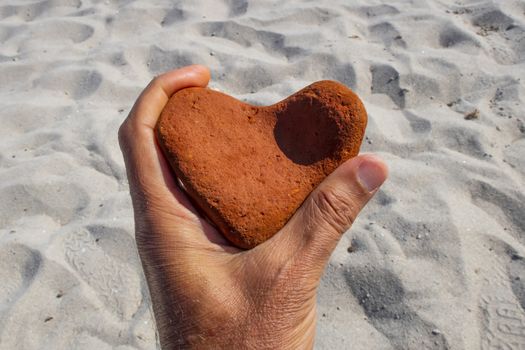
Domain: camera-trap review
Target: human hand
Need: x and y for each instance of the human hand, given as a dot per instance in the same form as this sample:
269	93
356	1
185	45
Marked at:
205	292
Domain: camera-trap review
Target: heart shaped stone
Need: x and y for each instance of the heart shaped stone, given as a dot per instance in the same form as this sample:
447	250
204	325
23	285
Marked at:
249	168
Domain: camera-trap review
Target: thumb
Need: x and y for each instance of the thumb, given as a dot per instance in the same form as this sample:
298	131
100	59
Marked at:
314	230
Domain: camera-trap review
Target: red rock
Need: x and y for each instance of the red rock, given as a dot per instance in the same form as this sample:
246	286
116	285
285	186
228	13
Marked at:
249	168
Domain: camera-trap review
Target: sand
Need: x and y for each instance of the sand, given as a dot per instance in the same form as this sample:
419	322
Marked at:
437	258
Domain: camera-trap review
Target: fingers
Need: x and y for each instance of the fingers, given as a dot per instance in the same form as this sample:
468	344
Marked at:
314	230
148	171
150	103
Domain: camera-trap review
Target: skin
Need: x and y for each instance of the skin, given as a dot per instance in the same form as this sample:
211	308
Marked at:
206	293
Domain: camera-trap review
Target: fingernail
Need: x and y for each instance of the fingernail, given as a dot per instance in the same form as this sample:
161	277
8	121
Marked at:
371	173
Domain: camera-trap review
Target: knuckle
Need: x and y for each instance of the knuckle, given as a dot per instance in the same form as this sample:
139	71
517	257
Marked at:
335	208
123	133
125	139
155	82
131	132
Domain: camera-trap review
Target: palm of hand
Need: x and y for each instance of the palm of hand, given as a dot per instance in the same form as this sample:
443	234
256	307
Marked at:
233	294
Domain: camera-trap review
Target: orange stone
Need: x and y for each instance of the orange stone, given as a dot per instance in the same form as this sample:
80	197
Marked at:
249	168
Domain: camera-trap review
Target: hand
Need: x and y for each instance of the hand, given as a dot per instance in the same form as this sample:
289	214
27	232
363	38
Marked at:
207	293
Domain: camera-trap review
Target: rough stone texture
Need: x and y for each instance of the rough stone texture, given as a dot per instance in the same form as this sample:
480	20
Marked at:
249	168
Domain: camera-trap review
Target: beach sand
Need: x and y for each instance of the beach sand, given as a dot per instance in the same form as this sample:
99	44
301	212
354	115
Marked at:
435	261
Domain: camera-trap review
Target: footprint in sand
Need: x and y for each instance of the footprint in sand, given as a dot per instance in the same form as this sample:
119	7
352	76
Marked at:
78	83
61	30
115	281
385	80
237	7
18	267
503	323
501	33
501	303
502	289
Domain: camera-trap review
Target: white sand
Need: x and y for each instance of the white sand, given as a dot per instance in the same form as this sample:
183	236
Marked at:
438	259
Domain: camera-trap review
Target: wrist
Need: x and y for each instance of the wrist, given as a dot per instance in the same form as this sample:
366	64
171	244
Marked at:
225	332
